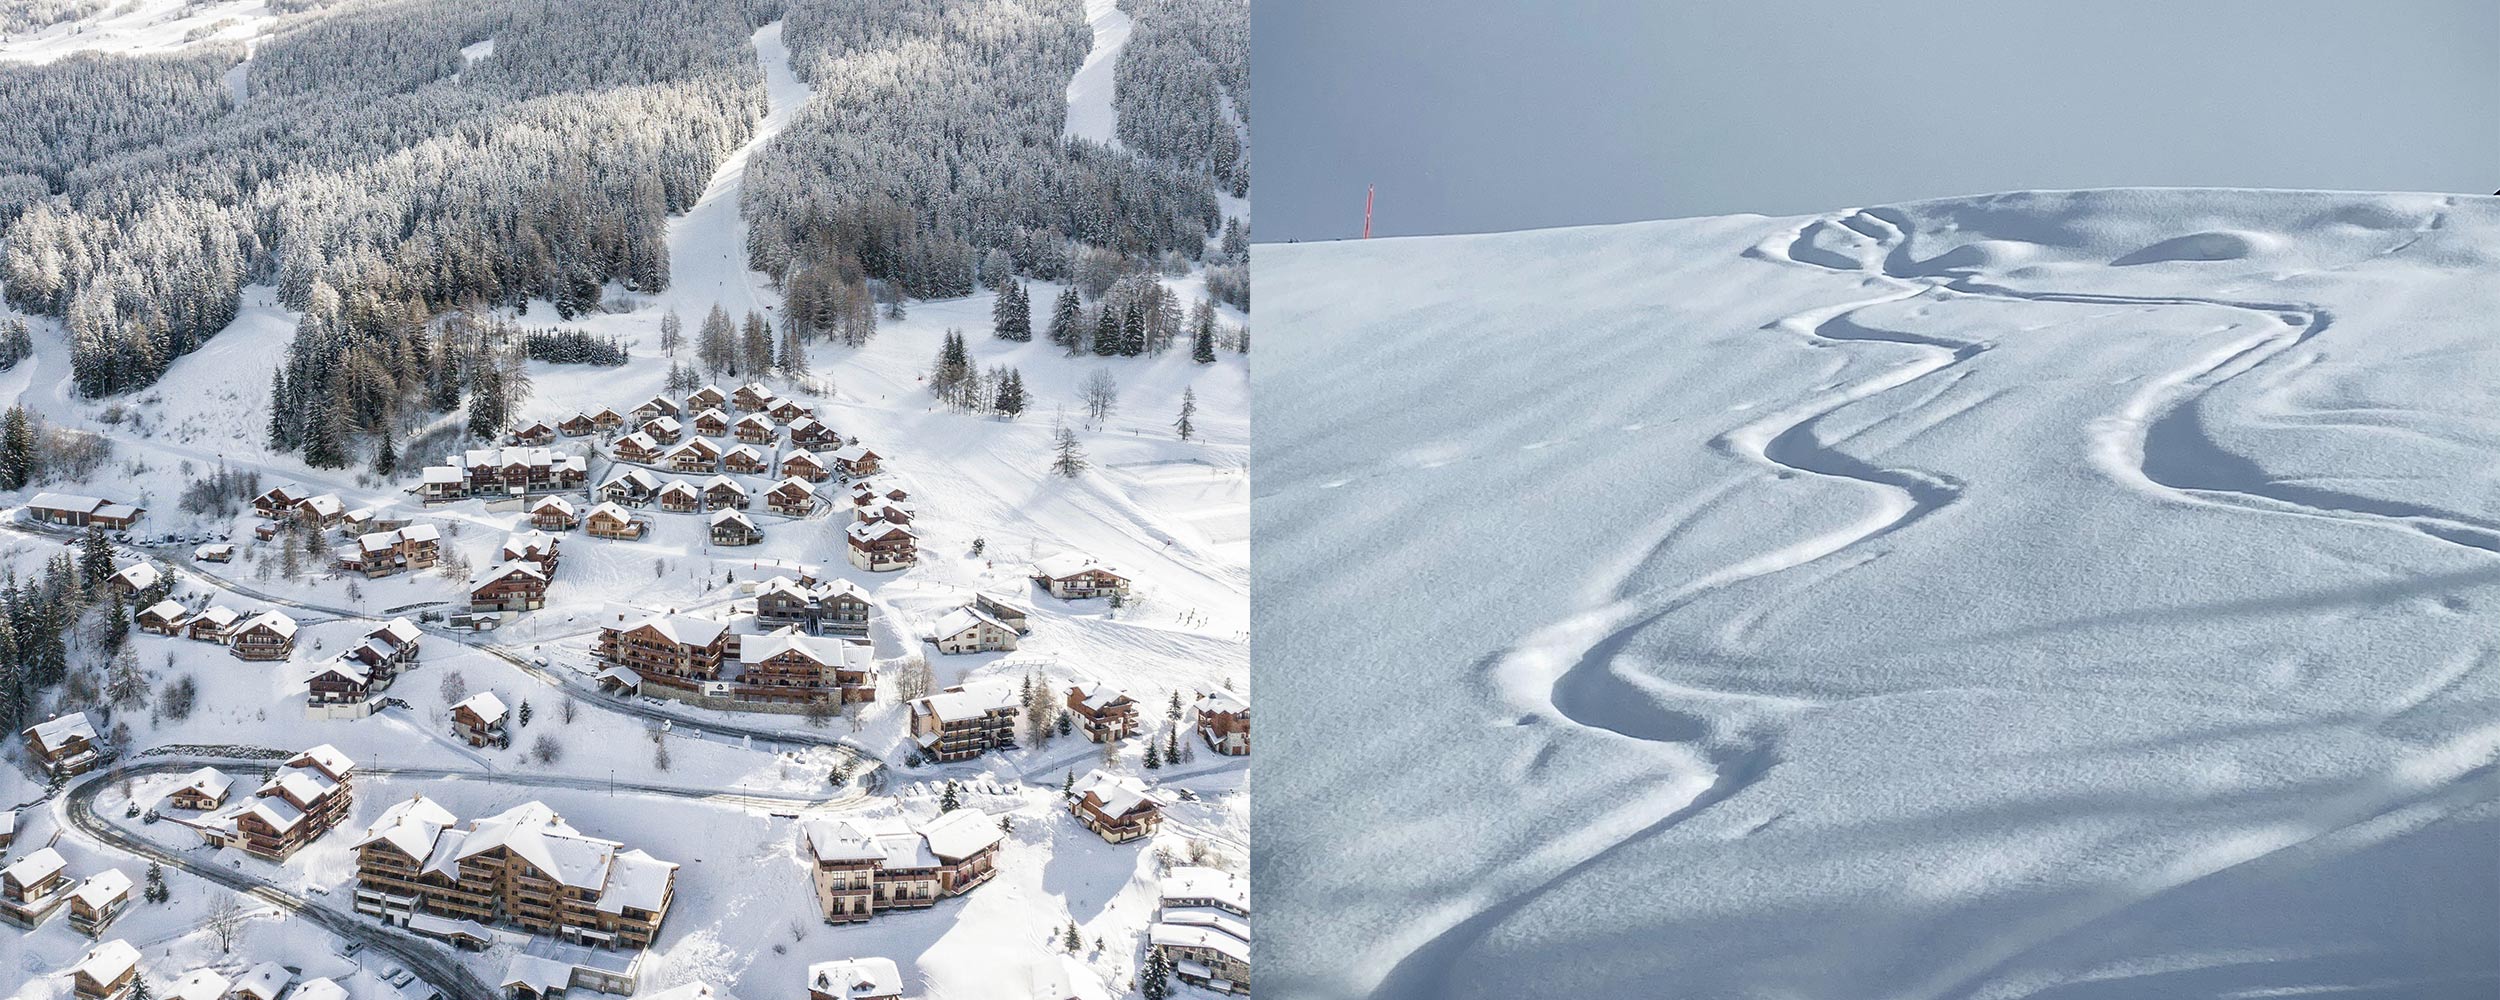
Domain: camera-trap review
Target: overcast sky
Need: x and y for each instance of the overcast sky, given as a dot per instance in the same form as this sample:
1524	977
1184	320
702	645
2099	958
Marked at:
1510	114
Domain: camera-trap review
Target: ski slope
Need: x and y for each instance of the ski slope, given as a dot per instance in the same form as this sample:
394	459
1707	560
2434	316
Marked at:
1090	115
136	27
2086	595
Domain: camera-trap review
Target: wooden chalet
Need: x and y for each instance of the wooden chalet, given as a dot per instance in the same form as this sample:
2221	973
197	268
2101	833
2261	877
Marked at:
1116	806
790	666
813	434
757	428
129	580
164	618
669	650
665	430
729	527
96	902
656	407
752	396
384	553
1072	576
865	865
680	497
856	462
214	623
838	607
1104	712
554	514
512	586
639	447
724	493
712	422
632	487
786	410
479	719
1224	722
696	455
269	635
881	546
536	432
278	501
744	460
708	397
32	886
855	979
607	419
202	790
305	798
578	425
532	546
64	746
803	464
214	552
792	496
611	521
969	629
110	971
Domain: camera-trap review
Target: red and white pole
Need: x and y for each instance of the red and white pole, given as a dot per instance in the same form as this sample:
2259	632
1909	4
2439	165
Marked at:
1367	211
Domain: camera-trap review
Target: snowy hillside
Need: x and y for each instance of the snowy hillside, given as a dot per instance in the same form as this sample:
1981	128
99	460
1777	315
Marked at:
2077	595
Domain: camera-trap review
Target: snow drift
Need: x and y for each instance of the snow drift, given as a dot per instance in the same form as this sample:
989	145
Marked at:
2050	594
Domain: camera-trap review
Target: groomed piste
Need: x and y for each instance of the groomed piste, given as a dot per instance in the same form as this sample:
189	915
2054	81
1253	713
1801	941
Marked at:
2079	595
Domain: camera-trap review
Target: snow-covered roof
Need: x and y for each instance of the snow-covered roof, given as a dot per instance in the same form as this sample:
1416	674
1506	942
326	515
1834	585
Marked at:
756	420
325	505
36	867
639	440
167	610
855	977
557	504
961	833
534	832
683	629
531	542
827	650
488	708
275	621
728	515
664	423
108	961
854	453
702	446
717	482
1068	564
1118	793
444	474
218	615
209	781
505	570
140	576
540	975
66	501
800	455
326	757
1201	882
200	984
213	549
411	825
1219	702
970	700
870	531
679	486
744	451
636	880
608	509
324	988
712	413
56	732
102	888
963	619
399	631
1216	931
1098	695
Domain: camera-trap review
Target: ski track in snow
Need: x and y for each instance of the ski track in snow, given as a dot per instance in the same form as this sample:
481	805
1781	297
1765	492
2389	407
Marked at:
1572	671
1090	115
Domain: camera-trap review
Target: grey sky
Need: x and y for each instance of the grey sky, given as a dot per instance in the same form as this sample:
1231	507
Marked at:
1508	114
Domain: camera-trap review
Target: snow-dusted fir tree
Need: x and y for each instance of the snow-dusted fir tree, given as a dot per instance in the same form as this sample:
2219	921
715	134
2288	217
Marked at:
1067	457
1189	408
1067	321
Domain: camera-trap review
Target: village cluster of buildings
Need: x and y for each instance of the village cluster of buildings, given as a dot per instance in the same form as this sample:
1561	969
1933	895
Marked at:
502	472
346	684
110	971
36	886
307	796
525	867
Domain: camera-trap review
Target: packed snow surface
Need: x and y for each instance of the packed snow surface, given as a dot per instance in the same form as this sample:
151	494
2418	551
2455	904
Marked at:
2054	594
1090	115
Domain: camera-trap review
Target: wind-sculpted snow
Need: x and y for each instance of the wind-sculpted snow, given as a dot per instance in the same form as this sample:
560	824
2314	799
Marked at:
2051	594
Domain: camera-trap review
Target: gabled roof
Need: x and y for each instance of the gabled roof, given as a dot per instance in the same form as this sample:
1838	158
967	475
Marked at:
66	501
827	650
488	708
275	621
54	733
171	611
717	482
108	961
727	515
325	757
682	629
36	867
872	531
608	508
1118	793
102	888
411	825
323	988
855	977
961	833
1201	882
397	631
1098	695
963	619
969	700
1068	564
200	984
264	982
679	486
1220	701
558	504
140	576
637	439
508	570
209	780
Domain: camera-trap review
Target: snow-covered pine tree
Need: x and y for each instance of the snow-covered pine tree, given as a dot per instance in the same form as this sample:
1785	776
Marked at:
1067	321
1189	408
